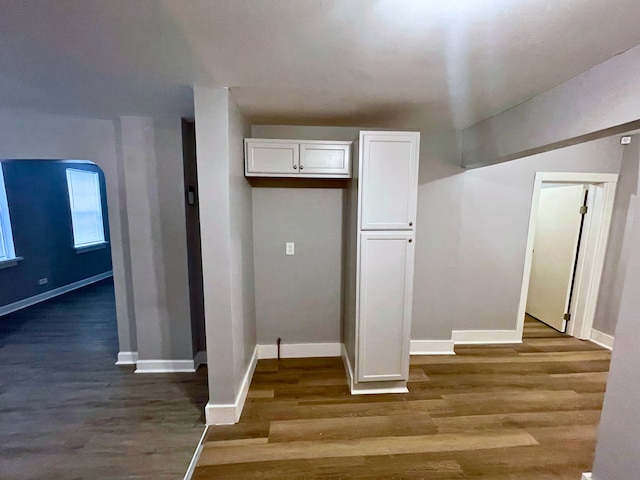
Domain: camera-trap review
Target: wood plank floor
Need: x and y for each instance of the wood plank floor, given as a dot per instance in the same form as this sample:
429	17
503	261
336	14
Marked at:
526	411
67	412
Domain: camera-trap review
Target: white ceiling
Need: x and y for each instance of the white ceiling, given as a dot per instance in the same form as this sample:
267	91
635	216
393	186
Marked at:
400	63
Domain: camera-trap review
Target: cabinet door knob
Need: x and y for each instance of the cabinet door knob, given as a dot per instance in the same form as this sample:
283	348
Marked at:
411	224
301	167
295	167
410	240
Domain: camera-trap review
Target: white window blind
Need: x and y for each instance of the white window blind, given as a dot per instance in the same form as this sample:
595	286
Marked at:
7	251
86	207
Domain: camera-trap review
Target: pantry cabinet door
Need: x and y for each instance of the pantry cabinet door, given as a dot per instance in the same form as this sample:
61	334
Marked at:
389	180
384	314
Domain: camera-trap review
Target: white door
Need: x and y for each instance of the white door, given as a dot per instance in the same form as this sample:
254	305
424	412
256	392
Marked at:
389	180
325	159
384	317
271	158
555	247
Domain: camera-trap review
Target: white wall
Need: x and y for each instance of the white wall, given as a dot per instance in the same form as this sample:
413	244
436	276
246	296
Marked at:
43	136
227	242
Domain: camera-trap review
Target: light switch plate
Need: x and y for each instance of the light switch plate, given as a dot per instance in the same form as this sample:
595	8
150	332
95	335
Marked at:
290	248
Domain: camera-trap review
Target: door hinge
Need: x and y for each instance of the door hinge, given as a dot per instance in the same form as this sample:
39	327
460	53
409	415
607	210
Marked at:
567	316
583	209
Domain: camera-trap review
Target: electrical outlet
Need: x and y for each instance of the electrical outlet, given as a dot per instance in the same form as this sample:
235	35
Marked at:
290	248
43	281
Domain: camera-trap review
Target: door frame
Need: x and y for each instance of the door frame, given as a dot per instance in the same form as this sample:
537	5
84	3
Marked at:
591	257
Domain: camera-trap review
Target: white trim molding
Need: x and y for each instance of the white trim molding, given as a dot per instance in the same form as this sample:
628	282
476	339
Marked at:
587	476
480	337
597	236
603	339
432	347
347	365
41	297
228	414
200	359
127	358
196	455
165	366
369	388
300	350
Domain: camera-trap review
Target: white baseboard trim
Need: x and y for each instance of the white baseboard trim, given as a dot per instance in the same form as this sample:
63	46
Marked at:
365	389
587	476
479	337
165	366
300	350
378	391
127	358
200	359
602	339
431	347
41	297
196	456
347	365
228	414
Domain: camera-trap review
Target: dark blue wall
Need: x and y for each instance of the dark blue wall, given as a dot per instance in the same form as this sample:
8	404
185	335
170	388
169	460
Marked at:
42	232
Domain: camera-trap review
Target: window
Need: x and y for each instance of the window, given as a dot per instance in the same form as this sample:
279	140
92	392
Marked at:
86	208
7	251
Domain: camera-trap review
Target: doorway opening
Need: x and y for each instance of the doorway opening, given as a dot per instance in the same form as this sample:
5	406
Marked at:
567	240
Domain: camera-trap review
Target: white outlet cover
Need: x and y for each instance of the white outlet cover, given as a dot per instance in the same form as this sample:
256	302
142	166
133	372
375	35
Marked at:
290	248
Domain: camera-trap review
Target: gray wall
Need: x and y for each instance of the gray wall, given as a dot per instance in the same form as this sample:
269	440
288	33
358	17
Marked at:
440	195
227	241
38	200
495	218
298	298
155	206
598	103
437	234
30	135
619	247
618	449
242	258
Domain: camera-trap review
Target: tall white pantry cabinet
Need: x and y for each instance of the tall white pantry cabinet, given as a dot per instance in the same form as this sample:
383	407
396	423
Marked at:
379	234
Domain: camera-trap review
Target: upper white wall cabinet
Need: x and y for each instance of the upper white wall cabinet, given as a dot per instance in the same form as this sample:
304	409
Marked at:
389	171
293	158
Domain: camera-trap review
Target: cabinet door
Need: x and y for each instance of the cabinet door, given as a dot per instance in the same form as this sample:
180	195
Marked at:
271	158
385	295
389	180
324	159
